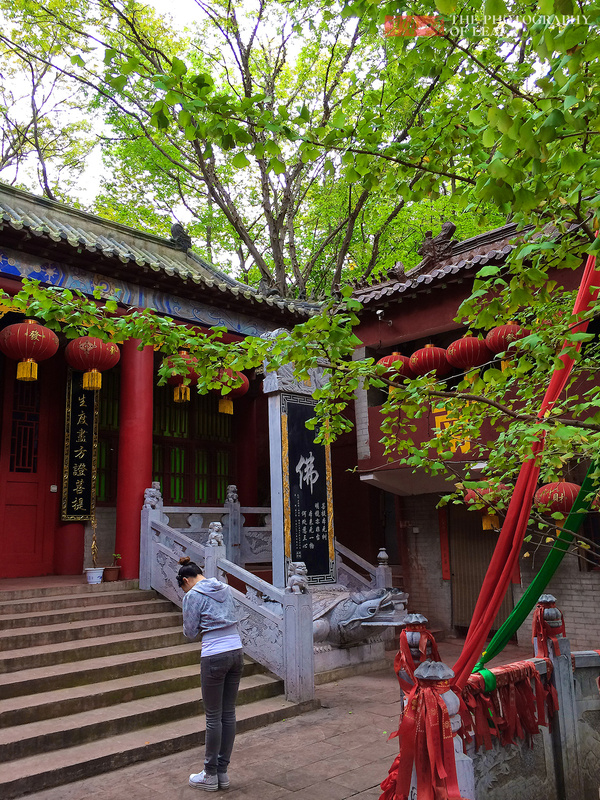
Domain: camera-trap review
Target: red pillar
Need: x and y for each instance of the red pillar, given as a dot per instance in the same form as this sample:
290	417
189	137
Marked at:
135	450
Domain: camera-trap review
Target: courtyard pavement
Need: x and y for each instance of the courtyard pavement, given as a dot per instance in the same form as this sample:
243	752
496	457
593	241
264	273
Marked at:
336	752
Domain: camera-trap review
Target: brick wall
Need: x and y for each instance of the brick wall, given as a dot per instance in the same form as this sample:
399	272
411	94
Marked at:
577	595
429	594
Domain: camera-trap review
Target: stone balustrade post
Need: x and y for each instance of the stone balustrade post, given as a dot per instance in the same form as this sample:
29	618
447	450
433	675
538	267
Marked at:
212	553
465	773
233	526
152	511
565	724
298	646
383	571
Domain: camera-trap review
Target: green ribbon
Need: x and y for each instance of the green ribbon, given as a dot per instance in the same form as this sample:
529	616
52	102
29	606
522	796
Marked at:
582	504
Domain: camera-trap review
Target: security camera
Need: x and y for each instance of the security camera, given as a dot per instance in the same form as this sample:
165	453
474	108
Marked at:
379	313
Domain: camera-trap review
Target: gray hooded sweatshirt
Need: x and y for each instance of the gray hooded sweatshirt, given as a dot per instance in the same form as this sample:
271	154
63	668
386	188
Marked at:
208	606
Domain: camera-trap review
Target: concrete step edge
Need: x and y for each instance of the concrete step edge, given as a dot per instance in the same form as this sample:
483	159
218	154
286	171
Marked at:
76	600
55	734
84	649
17	623
28	775
82	630
80	588
26	709
94	670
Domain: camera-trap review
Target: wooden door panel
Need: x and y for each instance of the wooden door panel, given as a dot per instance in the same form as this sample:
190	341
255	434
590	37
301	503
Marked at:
471	550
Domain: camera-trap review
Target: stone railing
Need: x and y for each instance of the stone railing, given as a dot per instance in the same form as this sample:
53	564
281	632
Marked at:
370	577
276	626
244	544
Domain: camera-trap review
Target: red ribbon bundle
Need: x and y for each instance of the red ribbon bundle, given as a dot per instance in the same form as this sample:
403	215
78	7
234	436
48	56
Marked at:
513	709
542	630
404	659
426	739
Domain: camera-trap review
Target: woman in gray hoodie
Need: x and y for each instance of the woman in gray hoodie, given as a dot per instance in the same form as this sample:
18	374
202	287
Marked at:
208	608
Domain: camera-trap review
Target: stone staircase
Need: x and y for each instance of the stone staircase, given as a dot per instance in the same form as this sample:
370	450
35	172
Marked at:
93	678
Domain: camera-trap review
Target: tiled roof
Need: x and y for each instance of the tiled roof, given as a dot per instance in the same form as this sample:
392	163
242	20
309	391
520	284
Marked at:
41	217
475	252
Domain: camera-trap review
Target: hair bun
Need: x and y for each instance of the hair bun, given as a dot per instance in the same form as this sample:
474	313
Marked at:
185	560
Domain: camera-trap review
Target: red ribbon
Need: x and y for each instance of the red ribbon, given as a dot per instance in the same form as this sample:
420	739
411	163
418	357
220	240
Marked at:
404	661
542	631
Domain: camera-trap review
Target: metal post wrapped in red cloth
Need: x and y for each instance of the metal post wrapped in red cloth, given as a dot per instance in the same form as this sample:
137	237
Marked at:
426	740
405	662
548	624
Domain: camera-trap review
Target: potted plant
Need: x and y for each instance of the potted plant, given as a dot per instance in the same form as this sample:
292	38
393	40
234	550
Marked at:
94	573
112	573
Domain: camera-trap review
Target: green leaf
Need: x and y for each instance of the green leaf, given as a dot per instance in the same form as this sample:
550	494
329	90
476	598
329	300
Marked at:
178	67
119	82
495	8
445	6
240	161
339	119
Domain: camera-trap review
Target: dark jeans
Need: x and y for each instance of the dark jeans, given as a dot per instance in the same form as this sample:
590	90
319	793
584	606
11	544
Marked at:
220	677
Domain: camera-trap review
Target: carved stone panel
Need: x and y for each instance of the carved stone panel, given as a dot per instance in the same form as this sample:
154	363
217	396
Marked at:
262	637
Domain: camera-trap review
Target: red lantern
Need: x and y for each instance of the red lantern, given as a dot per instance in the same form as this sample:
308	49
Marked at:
468	352
30	342
557	497
500	338
181	392
92	356
430	359
398	366
226	402
491	493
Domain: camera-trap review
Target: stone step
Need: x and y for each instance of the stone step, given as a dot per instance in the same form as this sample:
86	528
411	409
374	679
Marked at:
78	650
106	668
36	605
38	772
44	736
37	618
24	709
76	631
78	589
93	670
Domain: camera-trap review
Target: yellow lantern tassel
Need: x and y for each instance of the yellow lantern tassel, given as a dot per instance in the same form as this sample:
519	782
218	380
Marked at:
182	394
27	370
225	405
490	521
92	380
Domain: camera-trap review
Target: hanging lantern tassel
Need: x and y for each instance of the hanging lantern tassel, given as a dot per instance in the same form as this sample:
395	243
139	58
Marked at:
225	405
489	522
226	402
27	370
92	380
181	394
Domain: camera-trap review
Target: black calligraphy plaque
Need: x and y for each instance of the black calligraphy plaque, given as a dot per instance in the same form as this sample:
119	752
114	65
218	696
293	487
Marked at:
81	439
308	505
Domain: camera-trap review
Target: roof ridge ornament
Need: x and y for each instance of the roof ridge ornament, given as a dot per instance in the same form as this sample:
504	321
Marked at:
180	238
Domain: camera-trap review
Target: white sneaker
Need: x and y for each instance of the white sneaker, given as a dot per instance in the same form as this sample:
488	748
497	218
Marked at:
223	779
200	780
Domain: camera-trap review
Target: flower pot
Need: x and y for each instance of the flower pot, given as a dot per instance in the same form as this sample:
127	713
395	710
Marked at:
94	574
111	574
